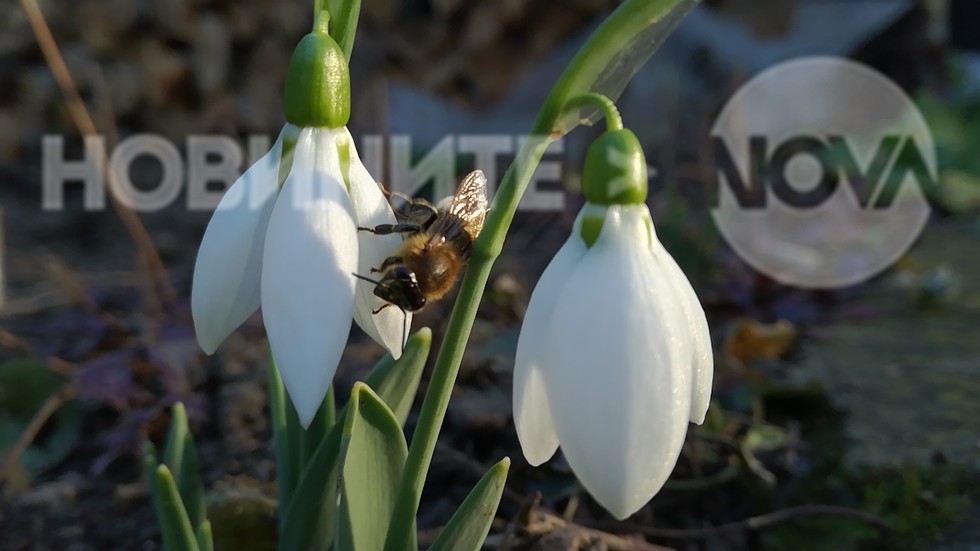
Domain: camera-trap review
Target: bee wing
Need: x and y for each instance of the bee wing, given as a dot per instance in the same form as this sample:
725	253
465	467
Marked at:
466	212
470	202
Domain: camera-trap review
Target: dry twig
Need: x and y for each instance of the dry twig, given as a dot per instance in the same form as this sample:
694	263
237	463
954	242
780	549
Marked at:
536	528
86	125
751	523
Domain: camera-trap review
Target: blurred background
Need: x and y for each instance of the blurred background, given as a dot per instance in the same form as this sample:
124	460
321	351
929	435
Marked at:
844	419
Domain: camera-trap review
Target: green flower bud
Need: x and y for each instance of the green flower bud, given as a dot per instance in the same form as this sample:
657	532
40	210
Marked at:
318	82
615	170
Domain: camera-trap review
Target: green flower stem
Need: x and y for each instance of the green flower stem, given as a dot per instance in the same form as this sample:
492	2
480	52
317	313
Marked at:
605	105
589	71
286	474
321	21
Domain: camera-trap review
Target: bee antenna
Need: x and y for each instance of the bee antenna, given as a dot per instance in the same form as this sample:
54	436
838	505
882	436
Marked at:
369	280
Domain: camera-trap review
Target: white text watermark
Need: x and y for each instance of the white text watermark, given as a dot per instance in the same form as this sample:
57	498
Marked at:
210	164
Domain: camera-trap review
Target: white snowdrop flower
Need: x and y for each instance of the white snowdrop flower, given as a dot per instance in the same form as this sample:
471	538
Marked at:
293	251
614	357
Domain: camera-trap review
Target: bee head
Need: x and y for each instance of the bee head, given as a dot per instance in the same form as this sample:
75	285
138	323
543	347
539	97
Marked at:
401	288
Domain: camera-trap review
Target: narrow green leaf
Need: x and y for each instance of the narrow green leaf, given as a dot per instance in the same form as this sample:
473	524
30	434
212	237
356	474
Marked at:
374	458
343	22
610	59
308	521
295	440
178	535
470	525
319	428
397	382
315	488
286	471
180	457
189	483
205	539
173	450
150	465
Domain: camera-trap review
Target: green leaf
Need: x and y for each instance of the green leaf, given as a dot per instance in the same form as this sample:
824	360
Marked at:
150	468
308	522
610	58
313	502
470	525
205	540
175	525
397	382
173	450
180	456
295	445
343	22
190	485
319	428
284	422
374	458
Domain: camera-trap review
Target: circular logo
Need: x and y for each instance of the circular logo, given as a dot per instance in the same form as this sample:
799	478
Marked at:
821	164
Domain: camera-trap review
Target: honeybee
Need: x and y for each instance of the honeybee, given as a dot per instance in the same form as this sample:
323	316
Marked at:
436	246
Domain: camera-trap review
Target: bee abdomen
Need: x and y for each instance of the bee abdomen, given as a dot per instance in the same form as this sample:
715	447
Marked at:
437	271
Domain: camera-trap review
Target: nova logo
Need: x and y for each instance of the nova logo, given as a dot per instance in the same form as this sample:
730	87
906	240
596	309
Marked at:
873	186
820	165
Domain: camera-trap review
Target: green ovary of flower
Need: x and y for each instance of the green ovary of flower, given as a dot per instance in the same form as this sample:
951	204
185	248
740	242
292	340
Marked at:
615	170
615	174
318	81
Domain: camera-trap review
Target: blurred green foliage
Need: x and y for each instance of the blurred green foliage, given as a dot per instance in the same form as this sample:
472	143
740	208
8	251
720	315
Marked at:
25	384
919	503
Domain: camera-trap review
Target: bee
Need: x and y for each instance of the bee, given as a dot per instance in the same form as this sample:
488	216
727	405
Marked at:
436	246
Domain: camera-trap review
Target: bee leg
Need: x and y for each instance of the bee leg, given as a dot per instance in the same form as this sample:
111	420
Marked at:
391	260
408	200
382	307
388	229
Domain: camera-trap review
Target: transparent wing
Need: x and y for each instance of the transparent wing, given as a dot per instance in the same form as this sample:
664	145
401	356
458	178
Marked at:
465	214
470	202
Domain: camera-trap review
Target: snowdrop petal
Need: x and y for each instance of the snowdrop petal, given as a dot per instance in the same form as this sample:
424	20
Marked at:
620	386
532	413
389	326
697	325
226	286
307	286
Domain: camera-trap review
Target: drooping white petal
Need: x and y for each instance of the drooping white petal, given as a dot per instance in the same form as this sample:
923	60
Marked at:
307	286
703	365
532	412
620	383
227	273
389	326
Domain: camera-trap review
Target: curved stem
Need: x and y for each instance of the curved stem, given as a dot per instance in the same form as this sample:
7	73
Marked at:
589	68
605	106
321	21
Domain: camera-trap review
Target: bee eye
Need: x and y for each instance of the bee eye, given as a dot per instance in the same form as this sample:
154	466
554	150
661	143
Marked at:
402	272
